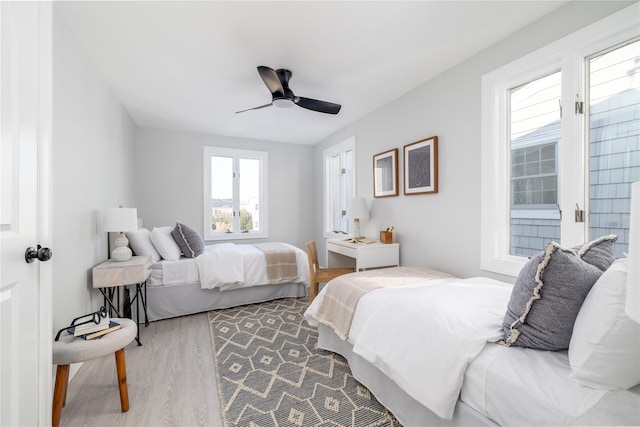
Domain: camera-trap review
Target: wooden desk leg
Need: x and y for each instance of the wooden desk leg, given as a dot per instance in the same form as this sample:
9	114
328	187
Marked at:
121	367
59	393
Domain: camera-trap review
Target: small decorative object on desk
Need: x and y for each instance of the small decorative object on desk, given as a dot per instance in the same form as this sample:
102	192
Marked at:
386	236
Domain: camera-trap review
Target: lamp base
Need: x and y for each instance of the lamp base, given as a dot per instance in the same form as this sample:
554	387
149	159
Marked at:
356	228
121	252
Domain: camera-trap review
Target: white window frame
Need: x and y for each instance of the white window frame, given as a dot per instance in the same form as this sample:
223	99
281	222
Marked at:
338	149
567	54
236	154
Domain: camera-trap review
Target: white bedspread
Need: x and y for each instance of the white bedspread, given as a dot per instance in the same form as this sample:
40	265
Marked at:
221	264
229	266
423	336
539	391
173	272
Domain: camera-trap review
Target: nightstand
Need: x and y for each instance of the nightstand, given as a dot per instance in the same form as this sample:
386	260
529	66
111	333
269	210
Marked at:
110	275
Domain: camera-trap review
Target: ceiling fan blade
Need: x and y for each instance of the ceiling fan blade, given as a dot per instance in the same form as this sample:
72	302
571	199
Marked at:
315	105
255	108
271	79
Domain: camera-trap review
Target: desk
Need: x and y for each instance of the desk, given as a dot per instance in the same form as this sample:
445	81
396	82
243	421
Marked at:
110	275
362	256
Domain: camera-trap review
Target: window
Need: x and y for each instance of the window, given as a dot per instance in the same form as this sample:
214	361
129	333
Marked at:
534	180
534	135
235	183
339	186
561	144
614	139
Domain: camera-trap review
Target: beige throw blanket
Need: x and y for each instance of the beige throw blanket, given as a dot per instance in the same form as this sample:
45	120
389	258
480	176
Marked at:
282	266
341	298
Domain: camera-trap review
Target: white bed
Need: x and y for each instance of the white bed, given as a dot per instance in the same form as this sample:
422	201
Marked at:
175	288
390	350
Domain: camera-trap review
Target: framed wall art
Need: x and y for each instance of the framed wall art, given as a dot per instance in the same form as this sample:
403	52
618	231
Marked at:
385	174
421	166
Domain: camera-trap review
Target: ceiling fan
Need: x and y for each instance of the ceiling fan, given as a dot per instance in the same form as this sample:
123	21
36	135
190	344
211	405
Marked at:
277	82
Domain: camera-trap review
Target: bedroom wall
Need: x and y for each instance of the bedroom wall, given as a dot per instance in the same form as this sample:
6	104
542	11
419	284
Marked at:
93	154
170	182
442	230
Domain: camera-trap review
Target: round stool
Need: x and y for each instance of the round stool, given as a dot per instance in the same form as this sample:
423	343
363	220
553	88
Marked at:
69	349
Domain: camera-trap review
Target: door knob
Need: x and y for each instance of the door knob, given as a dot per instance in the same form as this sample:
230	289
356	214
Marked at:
43	254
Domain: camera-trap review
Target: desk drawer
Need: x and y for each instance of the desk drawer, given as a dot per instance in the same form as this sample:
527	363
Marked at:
343	250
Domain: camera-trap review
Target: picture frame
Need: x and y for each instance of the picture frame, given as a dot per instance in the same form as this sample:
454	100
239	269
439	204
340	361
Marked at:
385	174
421	166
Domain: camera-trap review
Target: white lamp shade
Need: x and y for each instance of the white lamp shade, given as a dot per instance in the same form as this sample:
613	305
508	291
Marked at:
633	266
120	219
357	208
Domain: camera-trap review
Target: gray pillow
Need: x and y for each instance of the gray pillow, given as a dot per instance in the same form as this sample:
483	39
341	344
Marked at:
549	292
188	239
599	252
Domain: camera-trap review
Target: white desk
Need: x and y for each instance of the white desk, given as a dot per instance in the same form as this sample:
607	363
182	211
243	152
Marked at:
362	255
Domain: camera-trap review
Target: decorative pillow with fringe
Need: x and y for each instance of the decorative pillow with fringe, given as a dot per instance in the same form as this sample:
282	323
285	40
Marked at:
190	242
549	292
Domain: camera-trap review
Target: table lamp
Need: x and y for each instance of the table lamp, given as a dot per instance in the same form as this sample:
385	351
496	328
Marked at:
632	306
357	209
119	220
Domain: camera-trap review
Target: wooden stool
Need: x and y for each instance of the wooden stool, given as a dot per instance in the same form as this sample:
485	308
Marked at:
69	349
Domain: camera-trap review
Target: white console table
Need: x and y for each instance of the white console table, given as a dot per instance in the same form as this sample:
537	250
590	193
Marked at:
362	256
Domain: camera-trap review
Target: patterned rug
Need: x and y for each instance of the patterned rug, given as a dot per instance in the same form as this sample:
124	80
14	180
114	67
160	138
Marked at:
271	373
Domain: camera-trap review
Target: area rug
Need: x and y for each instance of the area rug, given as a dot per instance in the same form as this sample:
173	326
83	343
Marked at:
271	373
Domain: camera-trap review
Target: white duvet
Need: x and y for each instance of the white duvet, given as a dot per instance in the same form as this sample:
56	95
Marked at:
423	336
221	264
229	266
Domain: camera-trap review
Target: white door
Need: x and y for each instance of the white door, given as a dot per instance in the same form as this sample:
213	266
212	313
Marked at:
25	288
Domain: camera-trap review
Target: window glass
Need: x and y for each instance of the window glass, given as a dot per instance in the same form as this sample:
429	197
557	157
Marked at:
534	125
336	193
339	178
249	195
221	194
614	140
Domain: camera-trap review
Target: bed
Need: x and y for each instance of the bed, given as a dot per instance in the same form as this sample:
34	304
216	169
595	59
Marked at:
224	275
476	375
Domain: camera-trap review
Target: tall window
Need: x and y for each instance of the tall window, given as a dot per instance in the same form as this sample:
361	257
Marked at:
339	186
614	141
561	144
534	131
235	193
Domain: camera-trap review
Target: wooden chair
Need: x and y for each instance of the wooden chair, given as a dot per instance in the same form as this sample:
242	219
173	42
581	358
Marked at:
319	275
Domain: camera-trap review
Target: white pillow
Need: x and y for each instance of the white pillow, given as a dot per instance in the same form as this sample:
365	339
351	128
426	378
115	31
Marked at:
165	243
140	242
604	352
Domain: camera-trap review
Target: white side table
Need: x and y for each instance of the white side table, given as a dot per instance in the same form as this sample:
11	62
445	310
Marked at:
110	275
361	256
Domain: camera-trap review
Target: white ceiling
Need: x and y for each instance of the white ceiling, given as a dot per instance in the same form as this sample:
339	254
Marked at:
191	65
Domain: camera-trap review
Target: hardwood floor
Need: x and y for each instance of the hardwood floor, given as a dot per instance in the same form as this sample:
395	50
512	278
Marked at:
171	379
